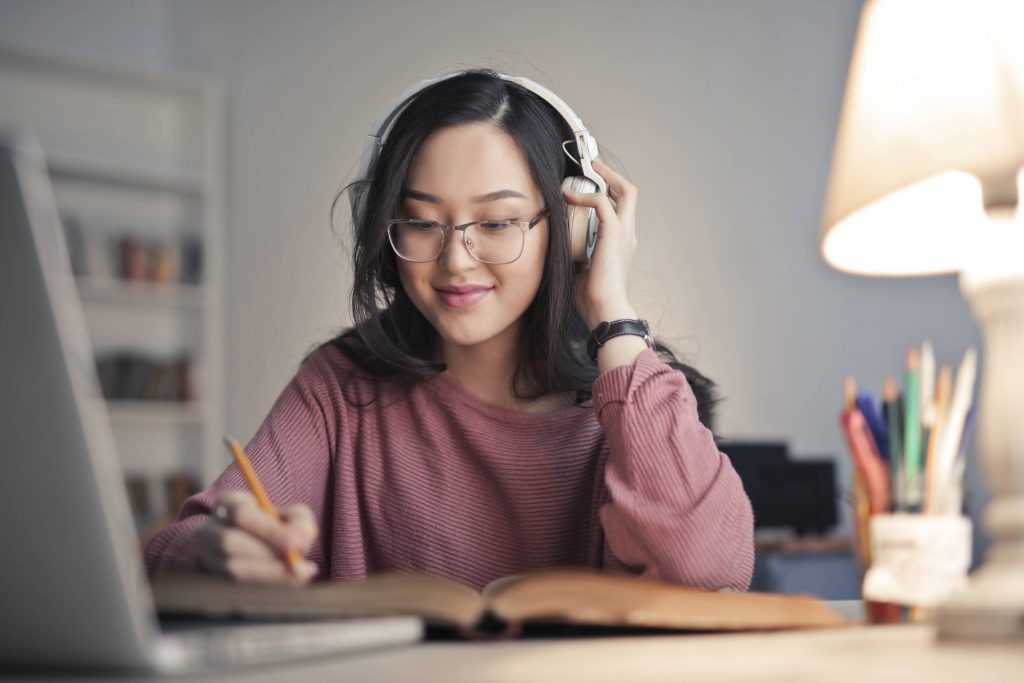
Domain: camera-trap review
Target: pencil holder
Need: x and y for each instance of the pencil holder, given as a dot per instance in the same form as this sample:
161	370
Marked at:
917	560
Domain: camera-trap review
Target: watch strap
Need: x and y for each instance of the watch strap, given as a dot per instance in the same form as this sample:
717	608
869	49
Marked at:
616	328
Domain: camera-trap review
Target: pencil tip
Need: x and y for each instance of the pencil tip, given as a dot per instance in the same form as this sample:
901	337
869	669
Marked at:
913	359
889	388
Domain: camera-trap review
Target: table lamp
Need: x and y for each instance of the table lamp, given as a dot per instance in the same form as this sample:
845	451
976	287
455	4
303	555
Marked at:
926	177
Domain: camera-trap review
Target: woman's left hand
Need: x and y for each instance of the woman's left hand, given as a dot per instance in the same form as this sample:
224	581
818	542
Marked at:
602	284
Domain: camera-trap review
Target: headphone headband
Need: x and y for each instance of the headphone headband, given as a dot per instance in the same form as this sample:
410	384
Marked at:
585	142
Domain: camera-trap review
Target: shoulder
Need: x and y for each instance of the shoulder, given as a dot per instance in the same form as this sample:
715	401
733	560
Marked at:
327	360
329	370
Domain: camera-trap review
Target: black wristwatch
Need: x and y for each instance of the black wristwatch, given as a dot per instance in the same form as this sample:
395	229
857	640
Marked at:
607	330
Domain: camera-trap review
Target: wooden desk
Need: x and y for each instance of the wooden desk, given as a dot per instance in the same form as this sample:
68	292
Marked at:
879	654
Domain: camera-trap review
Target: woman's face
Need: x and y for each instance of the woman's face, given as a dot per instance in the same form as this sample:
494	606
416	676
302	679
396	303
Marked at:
469	302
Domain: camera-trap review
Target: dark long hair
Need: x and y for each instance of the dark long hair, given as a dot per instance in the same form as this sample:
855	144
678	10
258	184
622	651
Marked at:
390	338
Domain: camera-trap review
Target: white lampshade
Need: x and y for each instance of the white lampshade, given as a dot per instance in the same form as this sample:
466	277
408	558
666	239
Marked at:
931	135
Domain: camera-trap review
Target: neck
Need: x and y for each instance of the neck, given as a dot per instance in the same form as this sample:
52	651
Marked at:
486	369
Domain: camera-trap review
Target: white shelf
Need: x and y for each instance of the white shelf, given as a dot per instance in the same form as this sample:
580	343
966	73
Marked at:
138	152
165	413
124	175
143	294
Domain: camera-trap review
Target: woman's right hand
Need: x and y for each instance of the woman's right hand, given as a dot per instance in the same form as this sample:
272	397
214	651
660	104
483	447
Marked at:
244	543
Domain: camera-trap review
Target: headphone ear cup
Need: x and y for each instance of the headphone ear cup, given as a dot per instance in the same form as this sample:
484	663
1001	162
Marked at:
580	219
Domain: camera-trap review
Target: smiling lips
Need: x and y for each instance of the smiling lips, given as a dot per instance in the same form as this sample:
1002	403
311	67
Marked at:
462	296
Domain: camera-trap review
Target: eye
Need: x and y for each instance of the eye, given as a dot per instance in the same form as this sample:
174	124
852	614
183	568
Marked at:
421	225
495	226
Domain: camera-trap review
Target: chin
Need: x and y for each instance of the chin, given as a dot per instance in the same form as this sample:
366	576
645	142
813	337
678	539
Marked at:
466	331
461	337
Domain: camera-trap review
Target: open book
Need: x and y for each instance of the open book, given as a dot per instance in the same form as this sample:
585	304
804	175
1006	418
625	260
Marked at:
575	597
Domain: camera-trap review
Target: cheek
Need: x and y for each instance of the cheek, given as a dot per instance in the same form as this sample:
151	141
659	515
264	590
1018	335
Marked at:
531	268
537	254
412	279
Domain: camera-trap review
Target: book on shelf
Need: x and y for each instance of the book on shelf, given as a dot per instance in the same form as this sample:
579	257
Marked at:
129	256
134	259
139	501
161	261
547	601
131	376
191	264
163	264
178	487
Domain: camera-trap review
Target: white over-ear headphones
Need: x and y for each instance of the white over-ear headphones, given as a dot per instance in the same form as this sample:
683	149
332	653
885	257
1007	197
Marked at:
583	221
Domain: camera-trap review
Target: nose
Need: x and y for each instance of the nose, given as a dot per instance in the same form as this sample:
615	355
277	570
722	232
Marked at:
455	256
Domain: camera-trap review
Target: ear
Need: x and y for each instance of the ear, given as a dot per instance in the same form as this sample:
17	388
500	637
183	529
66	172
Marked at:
579	217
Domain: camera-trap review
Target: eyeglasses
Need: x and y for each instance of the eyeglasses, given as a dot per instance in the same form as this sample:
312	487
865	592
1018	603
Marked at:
491	242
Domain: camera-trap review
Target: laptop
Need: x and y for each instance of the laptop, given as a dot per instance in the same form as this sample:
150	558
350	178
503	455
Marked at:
73	593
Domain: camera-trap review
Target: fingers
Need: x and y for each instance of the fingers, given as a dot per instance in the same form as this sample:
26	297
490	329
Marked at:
218	544
237	555
595	200
245	513
623	192
244	542
620	200
300	524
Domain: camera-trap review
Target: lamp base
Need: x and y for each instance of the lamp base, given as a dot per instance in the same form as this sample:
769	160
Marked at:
992	606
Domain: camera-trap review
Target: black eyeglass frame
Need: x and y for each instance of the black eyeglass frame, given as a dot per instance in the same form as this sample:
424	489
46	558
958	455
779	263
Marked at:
525	226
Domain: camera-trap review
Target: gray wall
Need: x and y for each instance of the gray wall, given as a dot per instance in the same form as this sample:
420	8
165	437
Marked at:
723	114
128	31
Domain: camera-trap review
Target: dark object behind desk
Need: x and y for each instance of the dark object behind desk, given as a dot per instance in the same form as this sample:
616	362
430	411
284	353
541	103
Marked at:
785	493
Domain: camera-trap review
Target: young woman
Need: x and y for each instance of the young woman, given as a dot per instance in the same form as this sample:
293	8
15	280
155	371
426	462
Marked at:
462	427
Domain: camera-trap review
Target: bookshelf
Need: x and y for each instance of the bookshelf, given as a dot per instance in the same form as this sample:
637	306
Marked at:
135	160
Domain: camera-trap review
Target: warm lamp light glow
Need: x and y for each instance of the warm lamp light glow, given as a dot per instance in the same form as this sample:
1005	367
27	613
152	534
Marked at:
936	219
931	134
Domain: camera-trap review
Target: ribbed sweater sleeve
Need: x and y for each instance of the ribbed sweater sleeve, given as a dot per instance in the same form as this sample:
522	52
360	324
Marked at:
290	453
677	510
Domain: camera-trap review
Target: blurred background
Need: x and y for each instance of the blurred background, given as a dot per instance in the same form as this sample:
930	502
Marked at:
197	146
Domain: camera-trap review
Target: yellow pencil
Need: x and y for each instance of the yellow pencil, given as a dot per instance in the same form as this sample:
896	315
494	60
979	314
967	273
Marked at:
292	556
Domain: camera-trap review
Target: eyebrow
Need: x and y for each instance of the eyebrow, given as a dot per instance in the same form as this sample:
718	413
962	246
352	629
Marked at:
489	197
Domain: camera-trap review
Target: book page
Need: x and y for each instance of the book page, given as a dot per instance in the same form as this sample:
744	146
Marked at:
436	599
586	597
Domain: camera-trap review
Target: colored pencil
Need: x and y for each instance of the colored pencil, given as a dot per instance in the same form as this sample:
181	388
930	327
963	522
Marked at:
867	461
891	401
942	400
866	404
912	478
952	437
927	399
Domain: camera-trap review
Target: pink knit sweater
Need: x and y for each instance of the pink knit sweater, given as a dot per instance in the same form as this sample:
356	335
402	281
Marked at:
430	478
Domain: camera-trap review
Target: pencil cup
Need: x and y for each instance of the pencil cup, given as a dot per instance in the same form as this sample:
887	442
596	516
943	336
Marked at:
917	560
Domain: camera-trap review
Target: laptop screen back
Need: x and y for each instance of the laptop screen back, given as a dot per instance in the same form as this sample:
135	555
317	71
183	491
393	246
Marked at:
71	585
